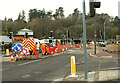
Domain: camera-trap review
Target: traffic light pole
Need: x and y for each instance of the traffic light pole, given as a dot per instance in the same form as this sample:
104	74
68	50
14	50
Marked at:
67	37
95	33
84	36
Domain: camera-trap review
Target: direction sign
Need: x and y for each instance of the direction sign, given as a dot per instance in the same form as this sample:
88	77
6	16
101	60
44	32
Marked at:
18	47
13	47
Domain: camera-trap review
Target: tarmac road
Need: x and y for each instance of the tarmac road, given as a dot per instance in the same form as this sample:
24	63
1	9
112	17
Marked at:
53	68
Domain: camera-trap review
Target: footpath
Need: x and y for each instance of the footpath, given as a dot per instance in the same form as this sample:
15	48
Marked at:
108	75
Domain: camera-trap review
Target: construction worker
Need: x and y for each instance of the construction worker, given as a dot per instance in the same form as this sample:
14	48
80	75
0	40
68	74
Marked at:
58	45
34	49
43	47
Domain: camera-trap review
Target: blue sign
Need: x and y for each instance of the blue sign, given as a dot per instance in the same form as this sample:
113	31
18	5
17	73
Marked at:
13	47
17	47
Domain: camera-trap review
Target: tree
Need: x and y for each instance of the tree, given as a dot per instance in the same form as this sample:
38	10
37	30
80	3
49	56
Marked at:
23	15
5	19
19	17
6	30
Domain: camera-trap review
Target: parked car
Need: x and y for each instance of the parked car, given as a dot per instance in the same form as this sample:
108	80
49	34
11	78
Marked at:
118	42
102	44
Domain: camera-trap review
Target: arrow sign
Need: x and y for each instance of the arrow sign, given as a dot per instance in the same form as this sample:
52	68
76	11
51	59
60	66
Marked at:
13	47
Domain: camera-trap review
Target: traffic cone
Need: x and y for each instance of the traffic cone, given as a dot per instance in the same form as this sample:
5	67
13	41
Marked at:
17	56
62	50
80	48
37	55
12	58
28	54
66	49
25	55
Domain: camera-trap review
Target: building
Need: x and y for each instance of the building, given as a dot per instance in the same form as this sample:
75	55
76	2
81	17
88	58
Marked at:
21	34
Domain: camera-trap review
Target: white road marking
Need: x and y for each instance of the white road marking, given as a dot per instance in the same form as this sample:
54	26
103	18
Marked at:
29	62
26	76
4	69
38	72
57	80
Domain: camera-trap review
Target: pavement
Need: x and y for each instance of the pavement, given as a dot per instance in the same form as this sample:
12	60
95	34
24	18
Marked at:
103	75
97	76
105	54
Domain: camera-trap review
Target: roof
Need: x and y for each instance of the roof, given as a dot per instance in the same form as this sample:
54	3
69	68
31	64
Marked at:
25	30
5	39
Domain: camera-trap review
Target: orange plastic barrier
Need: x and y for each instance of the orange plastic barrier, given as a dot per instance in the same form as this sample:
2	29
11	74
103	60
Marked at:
52	50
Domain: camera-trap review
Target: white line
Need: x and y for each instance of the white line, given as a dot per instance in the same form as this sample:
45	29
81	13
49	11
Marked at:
57	80
4	69
29	62
26	76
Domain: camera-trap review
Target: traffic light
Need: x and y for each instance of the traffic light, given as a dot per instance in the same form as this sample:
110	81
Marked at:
10	35
3	42
69	33
51	34
26	35
92	6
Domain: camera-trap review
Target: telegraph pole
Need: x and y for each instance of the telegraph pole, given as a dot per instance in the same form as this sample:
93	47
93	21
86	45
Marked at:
84	36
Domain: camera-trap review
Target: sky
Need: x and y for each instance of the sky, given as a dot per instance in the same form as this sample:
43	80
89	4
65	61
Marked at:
11	8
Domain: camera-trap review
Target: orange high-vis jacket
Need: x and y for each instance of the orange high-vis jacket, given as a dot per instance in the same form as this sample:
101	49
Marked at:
34	48
43	48
58	44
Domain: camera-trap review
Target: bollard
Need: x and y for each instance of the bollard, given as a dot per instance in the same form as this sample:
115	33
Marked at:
73	67
7	52
12	58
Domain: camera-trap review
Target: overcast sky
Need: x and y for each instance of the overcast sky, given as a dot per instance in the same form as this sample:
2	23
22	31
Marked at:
11	8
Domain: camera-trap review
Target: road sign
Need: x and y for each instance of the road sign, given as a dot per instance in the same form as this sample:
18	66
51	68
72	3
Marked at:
13	47
25	50
18	47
